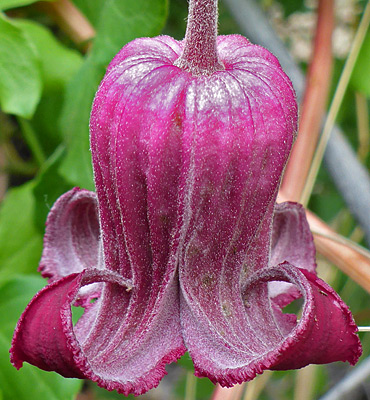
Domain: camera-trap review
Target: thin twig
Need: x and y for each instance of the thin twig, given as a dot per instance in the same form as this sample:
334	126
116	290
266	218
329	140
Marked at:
191	386
234	393
305	383
255	387
351	178
344	241
362	114
346	257
350	382
252	389
71	21
86	395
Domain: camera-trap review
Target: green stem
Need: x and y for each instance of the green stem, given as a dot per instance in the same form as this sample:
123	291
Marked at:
191	386
32	141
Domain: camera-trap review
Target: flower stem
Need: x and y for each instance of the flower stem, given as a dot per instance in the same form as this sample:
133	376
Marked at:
32	141
199	56
70	20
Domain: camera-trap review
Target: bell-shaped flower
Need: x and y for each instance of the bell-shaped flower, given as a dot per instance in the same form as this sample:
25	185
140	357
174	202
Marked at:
183	246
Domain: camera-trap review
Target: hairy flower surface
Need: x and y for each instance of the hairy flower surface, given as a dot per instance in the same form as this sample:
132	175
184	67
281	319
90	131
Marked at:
182	246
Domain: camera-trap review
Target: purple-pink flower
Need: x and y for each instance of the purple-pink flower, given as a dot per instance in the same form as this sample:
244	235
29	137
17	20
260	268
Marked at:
183	247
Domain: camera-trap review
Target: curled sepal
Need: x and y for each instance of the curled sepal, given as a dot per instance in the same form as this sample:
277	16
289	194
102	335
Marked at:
291	241
72	238
95	348
325	333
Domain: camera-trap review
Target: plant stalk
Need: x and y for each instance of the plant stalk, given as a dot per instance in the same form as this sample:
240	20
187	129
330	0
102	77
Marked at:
200	56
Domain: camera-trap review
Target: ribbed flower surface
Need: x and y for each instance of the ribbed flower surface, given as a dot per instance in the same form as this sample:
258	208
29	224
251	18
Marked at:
184	248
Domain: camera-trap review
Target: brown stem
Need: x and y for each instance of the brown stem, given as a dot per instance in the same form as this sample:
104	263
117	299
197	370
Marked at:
199	56
71	21
313	108
233	393
351	262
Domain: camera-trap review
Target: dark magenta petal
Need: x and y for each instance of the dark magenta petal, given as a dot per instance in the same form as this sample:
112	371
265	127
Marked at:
269	338
71	242
245	119
326	331
45	337
136	150
186	171
291	241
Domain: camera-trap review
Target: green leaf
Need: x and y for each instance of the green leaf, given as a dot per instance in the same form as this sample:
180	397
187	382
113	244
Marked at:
49	186
91	10
5	4
291	6
29	382
21	242
123	21
45	121
360	78
20	78
76	167
120	21
58	65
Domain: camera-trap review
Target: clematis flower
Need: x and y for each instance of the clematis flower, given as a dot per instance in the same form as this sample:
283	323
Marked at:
183	247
